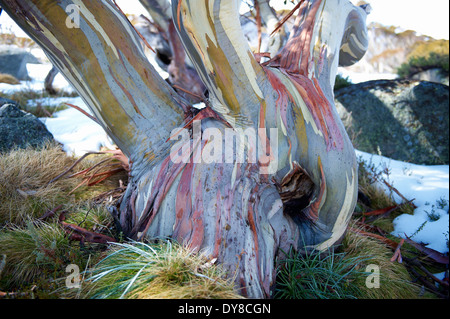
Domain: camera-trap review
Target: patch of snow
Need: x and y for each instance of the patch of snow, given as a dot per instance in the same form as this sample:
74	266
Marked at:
428	186
78	133
37	73
356	77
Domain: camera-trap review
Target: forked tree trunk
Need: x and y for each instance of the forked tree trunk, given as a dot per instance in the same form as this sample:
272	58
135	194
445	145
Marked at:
297	183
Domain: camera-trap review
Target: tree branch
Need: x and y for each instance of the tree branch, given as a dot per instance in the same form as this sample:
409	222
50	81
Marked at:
96	48
160	11
270	20
212	35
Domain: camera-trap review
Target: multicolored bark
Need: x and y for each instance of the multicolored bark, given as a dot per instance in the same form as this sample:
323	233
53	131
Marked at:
300	192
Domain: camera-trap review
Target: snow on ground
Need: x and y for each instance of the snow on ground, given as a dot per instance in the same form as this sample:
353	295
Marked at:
37	73
428	186
78	133
356	77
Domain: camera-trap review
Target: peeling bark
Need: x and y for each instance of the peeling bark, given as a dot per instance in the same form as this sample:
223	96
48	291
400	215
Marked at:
301	190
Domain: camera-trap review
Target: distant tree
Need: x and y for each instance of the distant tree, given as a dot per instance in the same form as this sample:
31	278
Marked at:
417	64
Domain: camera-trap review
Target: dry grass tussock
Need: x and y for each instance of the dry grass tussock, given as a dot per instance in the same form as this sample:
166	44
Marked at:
26	189
25	176
34	251
395	280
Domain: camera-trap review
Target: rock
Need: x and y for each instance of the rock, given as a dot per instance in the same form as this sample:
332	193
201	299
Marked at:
432	75
402	119
4	101
13	61
20	129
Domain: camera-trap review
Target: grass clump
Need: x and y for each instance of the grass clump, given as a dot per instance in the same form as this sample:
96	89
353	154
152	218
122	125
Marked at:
344	273
426	55
95	218
35	247
164	270
316	275
394	281
373	196
342	82
38	249
25	176
418	64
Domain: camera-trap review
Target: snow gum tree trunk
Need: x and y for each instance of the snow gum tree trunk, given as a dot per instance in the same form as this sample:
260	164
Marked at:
266	166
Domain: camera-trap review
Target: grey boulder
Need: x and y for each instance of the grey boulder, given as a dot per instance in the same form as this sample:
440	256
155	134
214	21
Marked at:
19	129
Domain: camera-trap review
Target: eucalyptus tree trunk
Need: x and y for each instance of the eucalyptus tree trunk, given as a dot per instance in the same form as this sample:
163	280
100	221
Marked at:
48	82
266	166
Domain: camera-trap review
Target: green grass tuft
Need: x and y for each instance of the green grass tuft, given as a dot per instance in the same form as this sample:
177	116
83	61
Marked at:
37	250
163	271
316	275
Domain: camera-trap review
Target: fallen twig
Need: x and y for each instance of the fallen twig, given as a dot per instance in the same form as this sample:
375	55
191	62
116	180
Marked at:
73	165
385	240
17	294
78	233
50	213
397	253
429	285
430	253
82	111
398	193
105	176
87	170
379	213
